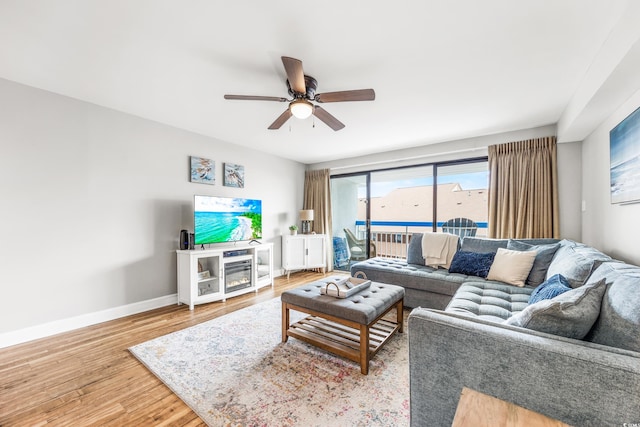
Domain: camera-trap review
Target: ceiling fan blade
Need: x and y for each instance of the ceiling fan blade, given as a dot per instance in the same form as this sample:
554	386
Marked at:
327	118
295	74
347	95
255	98
281	120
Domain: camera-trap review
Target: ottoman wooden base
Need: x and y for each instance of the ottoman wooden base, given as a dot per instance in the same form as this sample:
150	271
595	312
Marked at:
345	338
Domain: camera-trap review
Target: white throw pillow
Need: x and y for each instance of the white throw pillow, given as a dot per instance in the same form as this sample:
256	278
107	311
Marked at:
511	267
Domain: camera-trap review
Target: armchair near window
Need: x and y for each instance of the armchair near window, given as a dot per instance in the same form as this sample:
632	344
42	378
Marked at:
358	247
460	226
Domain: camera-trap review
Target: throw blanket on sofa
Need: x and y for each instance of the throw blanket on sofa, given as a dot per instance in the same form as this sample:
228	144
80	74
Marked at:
438	249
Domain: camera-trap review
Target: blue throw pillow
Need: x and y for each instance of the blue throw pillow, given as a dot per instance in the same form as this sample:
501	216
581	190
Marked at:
472	263
552	287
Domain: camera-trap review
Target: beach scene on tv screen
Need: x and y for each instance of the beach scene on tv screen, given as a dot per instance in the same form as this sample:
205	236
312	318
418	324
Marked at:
219	219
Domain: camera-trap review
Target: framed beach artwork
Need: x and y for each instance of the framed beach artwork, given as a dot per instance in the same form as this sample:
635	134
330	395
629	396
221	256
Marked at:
233	175
624	142
203	170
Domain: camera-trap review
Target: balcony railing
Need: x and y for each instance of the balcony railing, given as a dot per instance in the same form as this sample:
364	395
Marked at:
392	238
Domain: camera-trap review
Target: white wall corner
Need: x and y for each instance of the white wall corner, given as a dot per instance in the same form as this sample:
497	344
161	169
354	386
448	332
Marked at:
608	82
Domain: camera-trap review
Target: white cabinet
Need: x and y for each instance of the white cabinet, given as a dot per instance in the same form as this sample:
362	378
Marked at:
304	251
201	273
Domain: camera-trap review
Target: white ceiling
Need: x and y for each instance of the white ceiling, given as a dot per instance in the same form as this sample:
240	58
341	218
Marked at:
442	70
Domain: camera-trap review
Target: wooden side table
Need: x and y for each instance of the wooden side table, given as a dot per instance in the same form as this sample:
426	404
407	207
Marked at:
477	409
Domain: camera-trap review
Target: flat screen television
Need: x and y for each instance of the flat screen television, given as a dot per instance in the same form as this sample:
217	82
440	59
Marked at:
226	219
624	142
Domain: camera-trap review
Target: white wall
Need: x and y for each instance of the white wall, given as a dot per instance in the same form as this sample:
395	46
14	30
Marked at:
93	201
569	189
450	150
569	160
610	228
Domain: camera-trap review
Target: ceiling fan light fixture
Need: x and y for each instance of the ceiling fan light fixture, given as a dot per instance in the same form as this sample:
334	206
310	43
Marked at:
301	108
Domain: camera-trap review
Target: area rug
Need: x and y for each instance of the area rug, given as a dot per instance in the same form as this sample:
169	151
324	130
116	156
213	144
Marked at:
235	371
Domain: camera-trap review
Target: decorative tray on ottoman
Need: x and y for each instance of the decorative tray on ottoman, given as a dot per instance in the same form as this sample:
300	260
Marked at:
344	287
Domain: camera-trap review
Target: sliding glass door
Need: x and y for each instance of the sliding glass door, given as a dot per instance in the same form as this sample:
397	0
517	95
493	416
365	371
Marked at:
462	193
350	213
401	204
375	213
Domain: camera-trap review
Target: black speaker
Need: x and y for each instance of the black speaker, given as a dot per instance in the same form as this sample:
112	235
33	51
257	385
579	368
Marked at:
192	241
184	239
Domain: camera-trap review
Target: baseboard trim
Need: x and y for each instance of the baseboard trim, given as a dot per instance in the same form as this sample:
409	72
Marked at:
20	336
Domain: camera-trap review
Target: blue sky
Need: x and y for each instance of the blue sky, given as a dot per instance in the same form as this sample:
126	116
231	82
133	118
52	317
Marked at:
468	181
226	204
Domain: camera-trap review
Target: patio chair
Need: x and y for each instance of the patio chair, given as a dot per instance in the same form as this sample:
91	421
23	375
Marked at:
358	247
460	226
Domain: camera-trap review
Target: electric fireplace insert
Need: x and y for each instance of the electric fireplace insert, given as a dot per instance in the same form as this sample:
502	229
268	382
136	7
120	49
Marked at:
237	275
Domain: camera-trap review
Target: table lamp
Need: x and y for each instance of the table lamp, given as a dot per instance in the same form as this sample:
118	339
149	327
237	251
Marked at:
306	216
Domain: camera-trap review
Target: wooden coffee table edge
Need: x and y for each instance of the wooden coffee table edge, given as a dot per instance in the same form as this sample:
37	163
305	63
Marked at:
476	409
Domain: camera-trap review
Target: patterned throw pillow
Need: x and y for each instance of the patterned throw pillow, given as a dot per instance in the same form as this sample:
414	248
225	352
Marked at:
552	287
472	263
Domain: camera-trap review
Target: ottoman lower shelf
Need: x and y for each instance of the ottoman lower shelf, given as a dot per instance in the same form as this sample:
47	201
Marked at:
354	341
339	339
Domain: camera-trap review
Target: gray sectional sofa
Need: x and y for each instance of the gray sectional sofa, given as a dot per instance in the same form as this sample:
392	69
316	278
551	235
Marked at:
575	357
427	286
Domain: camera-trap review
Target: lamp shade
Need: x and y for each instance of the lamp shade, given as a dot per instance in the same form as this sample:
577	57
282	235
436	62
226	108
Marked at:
306	215
301	108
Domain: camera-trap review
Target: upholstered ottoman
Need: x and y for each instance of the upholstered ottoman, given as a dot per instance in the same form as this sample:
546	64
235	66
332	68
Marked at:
351	327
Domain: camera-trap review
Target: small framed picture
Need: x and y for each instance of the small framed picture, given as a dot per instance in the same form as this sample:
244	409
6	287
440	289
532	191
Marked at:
204	275
203	170
233	175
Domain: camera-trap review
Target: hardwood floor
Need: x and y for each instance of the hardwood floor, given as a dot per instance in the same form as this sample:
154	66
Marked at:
88	377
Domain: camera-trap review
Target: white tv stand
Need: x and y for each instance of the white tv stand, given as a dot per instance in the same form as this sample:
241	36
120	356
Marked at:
201	271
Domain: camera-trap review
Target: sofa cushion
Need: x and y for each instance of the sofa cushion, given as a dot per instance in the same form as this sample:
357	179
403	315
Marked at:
420	277
589	252
619	322
492	301
414	251
471	263
511	267
544	255
571	314
574	264
551	288
485	244
482	245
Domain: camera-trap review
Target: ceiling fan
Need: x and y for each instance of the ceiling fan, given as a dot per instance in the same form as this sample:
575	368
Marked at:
302	88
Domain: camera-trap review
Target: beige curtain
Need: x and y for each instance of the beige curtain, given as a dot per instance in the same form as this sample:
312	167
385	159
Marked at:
523	189
317	196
